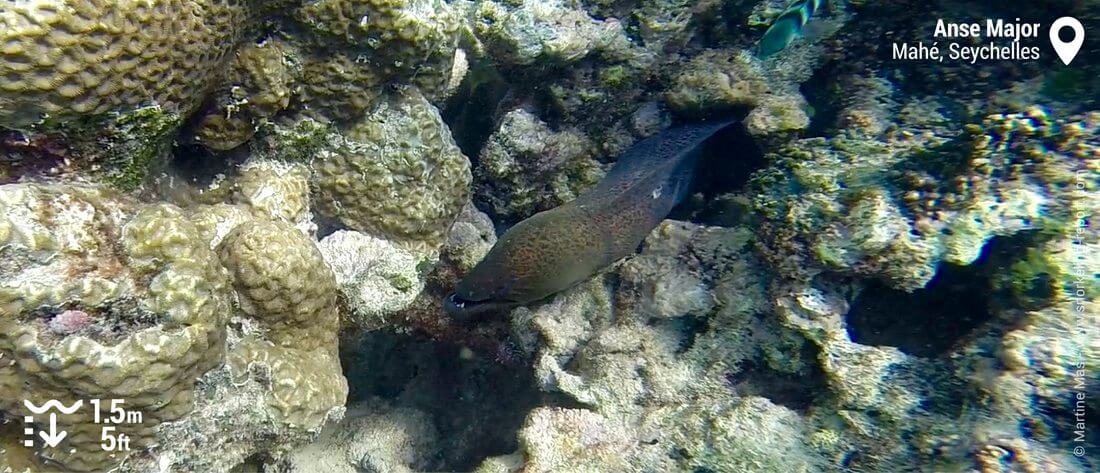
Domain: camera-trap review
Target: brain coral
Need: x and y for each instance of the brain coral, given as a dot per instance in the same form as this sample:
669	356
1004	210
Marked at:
400	176
260	82
281	278
339	87
412	40
283	284
78	57
154	297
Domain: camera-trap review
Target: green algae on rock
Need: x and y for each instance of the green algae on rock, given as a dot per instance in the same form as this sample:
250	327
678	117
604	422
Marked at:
848	216
121	149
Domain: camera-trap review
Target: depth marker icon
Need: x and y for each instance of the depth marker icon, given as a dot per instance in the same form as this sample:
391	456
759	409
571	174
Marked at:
53	437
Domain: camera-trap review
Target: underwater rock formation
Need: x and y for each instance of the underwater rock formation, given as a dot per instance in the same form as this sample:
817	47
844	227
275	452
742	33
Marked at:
717	82
642	357
895	208
373	436
242	216
529	31
376	278
526	167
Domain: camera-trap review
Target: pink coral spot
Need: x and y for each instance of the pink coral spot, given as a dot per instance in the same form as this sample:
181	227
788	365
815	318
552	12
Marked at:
69	321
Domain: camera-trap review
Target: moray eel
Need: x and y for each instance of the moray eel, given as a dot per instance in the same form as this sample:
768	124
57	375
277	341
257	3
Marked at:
557	249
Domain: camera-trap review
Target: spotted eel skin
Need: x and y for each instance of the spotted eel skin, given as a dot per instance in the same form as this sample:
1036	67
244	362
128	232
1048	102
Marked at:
557	249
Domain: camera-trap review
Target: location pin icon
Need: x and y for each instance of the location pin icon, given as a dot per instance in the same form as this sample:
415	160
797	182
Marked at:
1067	50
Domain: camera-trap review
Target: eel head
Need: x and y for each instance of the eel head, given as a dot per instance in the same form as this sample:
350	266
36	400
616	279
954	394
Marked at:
545	254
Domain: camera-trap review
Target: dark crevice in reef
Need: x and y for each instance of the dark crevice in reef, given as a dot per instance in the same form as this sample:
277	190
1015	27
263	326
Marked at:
727	162
253	463
477	403
825	112
795	391
472	112
327	226
690	327
959	299
198	166
925	322
29	155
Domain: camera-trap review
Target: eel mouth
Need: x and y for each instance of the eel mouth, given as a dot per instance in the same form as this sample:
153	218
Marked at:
455	306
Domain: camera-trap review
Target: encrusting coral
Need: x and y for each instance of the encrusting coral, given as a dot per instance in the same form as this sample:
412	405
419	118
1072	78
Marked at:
156	301
399	175
280	343
360	50
844	218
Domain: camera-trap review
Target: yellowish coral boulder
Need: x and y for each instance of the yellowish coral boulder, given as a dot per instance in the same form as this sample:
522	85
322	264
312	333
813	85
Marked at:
100	299
400	176
79	57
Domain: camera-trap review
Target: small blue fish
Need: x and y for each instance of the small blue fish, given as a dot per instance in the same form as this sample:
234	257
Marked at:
787	27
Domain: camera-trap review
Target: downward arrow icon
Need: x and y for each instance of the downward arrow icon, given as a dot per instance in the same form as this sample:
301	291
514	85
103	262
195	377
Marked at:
53	437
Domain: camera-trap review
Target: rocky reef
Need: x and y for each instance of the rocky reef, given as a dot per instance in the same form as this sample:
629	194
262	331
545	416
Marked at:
239	219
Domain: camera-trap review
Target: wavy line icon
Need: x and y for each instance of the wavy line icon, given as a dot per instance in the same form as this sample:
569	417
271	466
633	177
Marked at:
53	404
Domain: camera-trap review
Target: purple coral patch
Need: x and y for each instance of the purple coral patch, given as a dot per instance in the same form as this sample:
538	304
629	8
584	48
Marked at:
69	321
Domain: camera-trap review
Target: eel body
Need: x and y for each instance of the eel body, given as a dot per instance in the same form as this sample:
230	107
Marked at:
554	250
